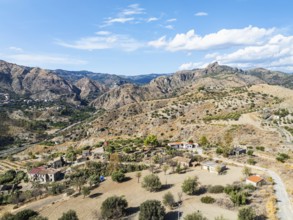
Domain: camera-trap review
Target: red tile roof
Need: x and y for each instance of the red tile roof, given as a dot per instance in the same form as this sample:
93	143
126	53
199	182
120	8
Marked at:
42	171
255	179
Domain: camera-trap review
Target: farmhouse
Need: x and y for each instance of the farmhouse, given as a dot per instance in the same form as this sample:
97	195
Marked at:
43	174
237	151
182	161
255	180
213	167
186	146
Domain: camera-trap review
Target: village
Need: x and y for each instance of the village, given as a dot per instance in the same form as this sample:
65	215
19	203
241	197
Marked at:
83	173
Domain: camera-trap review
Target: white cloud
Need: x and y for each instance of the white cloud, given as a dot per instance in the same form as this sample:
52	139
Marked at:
121	20
170	27
18	49
276	53
125	16
113	41
171	20
190	66
133	9
224	38
152	19
200	14
103	33
41	60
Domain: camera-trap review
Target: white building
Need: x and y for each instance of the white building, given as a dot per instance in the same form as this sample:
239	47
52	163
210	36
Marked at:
43	174
186	146
213	167
255	180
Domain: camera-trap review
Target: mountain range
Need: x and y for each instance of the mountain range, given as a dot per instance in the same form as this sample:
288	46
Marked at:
111	91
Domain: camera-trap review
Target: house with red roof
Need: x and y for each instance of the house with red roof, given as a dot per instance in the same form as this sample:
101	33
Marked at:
43	174
254	180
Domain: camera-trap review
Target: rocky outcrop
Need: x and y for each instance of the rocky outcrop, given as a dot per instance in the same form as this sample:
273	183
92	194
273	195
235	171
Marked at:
89	89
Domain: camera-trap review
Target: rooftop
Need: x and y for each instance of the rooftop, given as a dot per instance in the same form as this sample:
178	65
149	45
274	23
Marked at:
42	171
254	179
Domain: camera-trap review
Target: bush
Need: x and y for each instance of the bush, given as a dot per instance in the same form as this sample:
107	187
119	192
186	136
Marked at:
250	152
207	200
25	214
151	209
118	176
282	157
114	207
189	185
195	216
168	199
70	215
216	189
246	214
151	183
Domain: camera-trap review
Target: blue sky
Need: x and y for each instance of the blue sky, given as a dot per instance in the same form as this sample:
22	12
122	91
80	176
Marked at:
152	36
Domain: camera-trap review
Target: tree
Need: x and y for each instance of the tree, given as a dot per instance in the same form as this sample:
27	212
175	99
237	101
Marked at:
118	176
151	140
246	171
151	183
70	156
138	175
70	215
189	185
151	209
93	180
246	214
85	191
114	207
25	214
168	199
195	216
165	169
78	182
203	141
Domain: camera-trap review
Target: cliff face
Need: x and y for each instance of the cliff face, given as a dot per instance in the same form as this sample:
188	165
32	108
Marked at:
35	82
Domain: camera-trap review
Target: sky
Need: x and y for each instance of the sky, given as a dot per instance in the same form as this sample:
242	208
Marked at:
133	37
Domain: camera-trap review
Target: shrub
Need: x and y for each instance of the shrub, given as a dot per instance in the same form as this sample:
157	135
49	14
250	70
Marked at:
207	200
246	214
151	209
118	176
25	214
195	216
114	207
189	185
70	215
250	152
168	199
216	189
151	183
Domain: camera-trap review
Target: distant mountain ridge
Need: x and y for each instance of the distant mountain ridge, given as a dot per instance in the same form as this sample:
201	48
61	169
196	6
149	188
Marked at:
112	91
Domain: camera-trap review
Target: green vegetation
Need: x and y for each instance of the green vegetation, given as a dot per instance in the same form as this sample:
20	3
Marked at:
246	214
282	157
151	209
114	207
195	216
70	215
207	200
168	200
118	176
151	183
230	116
190	185
216	189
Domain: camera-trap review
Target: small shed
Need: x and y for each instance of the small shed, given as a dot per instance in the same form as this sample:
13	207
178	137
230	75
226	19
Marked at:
254	180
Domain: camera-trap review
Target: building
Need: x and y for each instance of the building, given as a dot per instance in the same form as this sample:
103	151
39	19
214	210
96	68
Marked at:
237	151
255	180
186	146
182	161
213	167
43	174
98	152
57	163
